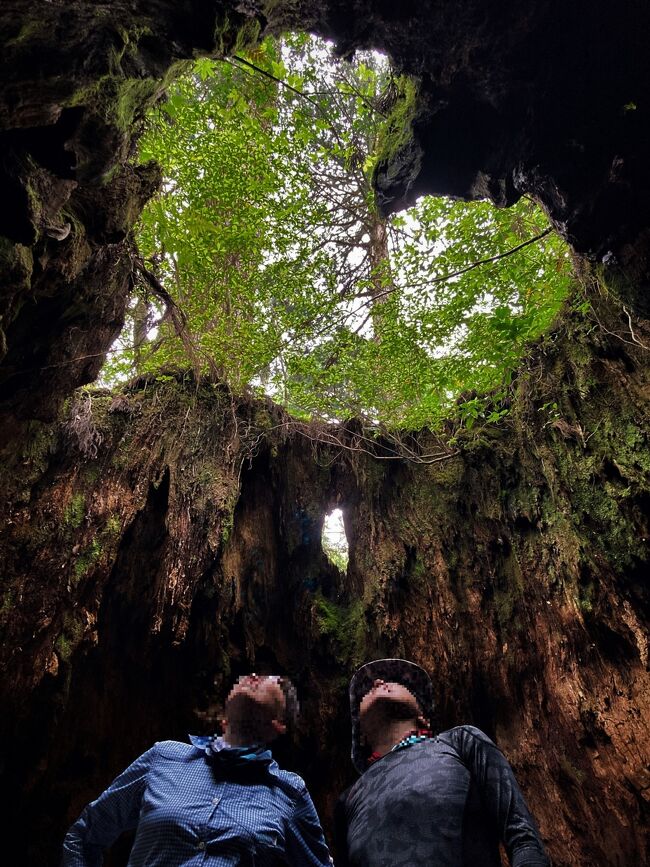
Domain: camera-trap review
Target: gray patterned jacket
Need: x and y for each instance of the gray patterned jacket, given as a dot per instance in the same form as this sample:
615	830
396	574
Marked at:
446	801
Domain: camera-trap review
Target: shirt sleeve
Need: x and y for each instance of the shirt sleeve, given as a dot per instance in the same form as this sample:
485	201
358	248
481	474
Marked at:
305	841
116	810
501	796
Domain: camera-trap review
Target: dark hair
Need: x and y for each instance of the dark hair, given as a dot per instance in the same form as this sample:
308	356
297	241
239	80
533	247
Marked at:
291	703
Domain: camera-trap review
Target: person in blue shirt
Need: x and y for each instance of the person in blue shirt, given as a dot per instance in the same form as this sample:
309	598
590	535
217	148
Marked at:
449	799
217	802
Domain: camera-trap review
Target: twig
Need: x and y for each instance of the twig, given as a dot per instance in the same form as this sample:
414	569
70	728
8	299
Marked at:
632	334
399	451
633	342
174	311
263	72
444	277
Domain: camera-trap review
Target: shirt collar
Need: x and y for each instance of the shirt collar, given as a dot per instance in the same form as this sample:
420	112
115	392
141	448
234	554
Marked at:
216	748
415	737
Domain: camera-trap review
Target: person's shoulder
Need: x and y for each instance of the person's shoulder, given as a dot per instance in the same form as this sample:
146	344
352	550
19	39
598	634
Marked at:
291	784
465	736
465	731
176	751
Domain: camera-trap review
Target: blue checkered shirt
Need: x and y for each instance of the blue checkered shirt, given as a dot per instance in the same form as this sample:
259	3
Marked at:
184	814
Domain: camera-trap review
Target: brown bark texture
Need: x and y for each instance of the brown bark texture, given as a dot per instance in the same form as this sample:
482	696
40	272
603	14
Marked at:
160	541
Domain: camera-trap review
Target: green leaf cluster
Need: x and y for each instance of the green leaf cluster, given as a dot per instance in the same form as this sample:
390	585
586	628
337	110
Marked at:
267	237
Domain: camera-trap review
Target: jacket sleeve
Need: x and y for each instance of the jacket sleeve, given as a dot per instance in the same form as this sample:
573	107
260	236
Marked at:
341	831
501	796
116	810
305	842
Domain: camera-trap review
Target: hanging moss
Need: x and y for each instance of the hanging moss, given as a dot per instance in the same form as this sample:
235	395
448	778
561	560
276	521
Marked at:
16	266
397	134
508	593
345	626
87	559
7	603
75	511
113	526
235	34
70	636
63	648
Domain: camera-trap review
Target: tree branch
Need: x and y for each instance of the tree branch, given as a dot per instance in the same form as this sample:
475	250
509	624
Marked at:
444	277
272	77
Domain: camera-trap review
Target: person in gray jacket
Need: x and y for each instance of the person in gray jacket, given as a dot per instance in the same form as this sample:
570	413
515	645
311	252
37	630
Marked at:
447	800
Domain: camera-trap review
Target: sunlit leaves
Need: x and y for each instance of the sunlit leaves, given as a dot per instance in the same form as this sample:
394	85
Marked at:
267	236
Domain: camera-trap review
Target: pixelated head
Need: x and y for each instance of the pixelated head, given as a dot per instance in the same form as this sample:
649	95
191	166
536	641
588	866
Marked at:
403	685
259	708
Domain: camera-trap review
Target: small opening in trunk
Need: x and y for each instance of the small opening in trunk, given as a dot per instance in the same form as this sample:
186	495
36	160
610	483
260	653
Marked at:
335	542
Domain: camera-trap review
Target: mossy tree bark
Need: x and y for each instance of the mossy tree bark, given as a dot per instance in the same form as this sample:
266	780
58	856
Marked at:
161	541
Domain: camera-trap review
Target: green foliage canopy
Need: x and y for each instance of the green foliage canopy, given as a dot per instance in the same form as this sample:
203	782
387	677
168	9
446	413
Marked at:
268	238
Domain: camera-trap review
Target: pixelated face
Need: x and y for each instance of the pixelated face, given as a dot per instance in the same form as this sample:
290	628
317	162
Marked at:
256	699
392	699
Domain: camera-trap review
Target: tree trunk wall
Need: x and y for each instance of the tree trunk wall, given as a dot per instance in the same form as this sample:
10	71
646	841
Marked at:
160	542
